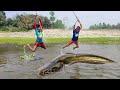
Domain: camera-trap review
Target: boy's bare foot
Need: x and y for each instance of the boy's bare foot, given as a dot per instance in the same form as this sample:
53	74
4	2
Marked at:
28	44
75	48
64	47
24	46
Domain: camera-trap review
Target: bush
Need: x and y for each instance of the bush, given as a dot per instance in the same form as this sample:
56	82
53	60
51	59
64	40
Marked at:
17	29
4	29
13	29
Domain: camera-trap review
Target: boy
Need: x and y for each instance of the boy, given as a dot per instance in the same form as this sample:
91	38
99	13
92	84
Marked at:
39	36
75	35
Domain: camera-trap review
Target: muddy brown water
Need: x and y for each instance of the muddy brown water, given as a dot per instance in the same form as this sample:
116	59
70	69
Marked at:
17	68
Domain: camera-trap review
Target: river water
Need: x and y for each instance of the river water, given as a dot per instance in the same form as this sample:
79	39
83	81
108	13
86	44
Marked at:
17	68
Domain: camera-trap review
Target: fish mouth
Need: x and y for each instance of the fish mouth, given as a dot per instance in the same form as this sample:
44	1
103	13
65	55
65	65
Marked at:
70	58
51	69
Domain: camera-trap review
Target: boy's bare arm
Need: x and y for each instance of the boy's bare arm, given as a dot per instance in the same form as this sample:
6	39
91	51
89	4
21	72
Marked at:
80	24
34	25
39	21
74	25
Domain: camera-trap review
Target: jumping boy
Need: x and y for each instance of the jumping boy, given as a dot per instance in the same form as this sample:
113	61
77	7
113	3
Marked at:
75	35
39	36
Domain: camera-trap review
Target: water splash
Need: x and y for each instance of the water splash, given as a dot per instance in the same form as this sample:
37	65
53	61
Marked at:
24	50
44	39
25	54
29	57
61	52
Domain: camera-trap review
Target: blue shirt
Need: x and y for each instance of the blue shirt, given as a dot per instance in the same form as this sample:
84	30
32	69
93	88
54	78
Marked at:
75	35
37	36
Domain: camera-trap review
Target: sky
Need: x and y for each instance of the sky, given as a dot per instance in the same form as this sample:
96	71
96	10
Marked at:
87	18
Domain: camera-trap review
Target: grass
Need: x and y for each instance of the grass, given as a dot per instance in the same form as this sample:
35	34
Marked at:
99	40
16	40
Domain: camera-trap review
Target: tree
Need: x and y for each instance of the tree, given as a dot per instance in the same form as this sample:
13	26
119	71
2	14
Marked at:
104	26
59	24
2	18
52	18
46	23
9	22
109	26
2	15
118	26
96	26
113	26
100	26
25	21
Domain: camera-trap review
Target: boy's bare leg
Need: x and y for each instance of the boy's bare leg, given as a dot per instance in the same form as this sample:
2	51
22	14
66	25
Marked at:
69	43
77	46
65	46
32	49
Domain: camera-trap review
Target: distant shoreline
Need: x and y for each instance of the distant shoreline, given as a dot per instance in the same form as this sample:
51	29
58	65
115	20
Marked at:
58	33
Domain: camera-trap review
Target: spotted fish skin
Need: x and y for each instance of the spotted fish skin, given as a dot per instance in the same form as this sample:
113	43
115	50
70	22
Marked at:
86	58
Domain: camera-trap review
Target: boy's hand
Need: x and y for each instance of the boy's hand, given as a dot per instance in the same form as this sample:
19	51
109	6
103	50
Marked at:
80	23
37	17
78	20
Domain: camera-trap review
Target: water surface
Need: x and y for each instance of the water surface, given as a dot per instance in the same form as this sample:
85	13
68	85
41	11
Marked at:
17	68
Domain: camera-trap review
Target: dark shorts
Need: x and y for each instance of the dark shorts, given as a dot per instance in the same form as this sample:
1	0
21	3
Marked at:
40	45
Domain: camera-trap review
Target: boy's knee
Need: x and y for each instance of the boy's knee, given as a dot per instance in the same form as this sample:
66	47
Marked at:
45	48
33	50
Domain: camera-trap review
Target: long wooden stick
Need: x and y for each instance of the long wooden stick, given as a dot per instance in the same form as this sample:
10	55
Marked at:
75	16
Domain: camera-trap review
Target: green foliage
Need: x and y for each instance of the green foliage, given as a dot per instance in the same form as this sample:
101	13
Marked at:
105	26
2	18
24	22
58	24
46	23
118	26
2	15
9	22
52	19
12	29
15	29
4	29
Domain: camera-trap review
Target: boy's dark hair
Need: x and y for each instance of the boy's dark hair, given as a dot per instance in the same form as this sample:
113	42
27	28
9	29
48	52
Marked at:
78	27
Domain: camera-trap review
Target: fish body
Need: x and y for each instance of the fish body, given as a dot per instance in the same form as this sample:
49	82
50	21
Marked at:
70	58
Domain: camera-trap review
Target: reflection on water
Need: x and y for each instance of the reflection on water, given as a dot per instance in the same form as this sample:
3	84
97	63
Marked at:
77	73
17	68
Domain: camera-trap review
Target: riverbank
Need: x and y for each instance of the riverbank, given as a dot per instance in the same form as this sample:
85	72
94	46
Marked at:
100	40
62	36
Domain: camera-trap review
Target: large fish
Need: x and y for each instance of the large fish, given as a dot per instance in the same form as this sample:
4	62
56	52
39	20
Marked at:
70	58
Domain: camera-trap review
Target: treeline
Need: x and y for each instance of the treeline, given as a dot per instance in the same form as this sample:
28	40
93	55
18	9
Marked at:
24	22
105	26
